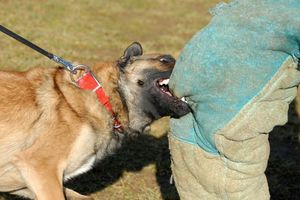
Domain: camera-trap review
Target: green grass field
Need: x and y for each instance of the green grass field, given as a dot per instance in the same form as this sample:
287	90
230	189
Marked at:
95	30
91	31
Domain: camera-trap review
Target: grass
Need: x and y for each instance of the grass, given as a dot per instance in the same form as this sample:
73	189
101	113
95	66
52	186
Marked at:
90	31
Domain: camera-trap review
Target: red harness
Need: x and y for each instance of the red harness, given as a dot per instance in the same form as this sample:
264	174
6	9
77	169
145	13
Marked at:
89	82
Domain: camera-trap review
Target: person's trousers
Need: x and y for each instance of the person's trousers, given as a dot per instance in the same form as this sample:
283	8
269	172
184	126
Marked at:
238	171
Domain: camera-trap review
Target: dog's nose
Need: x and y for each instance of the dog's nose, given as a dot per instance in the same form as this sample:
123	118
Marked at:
167	59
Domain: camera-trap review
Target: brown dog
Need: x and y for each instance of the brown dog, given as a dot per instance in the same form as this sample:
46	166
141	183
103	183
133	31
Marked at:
51	130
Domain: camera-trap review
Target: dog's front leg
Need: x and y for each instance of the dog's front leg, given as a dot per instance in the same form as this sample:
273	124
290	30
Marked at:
41	179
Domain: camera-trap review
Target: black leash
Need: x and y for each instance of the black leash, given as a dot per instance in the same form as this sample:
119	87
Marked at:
68	65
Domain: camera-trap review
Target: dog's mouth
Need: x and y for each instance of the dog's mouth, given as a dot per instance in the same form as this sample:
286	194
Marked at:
173	106
163	86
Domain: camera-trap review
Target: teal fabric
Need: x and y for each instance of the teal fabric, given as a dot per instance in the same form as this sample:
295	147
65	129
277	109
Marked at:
229	62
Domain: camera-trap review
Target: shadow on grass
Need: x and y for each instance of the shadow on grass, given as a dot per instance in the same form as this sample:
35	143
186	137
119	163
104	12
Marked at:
283	169
134	154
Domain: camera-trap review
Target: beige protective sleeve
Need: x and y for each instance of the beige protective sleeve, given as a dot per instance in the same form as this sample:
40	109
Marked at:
237	173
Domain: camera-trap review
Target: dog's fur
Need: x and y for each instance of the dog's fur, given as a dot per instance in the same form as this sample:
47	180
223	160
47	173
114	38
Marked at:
51	130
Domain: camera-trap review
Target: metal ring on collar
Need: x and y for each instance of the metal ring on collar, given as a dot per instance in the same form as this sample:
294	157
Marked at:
77	68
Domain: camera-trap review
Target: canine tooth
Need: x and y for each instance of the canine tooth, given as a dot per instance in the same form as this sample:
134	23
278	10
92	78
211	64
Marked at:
183	99
164	82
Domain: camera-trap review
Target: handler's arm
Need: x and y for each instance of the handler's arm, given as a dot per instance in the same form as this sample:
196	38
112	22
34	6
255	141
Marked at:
239	75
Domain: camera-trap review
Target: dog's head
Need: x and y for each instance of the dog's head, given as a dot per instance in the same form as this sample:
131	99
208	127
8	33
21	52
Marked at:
144	86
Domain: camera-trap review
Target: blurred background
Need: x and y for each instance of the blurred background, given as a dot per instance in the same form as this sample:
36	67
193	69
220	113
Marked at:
91	31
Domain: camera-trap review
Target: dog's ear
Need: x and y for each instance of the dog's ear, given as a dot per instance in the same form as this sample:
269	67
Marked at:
135	49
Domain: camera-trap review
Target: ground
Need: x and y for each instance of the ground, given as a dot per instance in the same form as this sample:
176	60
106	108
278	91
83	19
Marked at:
90	31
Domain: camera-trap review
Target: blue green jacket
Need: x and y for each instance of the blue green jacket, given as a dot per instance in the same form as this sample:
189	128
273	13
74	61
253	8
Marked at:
229	62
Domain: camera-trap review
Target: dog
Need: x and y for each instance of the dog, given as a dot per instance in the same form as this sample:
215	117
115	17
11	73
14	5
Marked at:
51	130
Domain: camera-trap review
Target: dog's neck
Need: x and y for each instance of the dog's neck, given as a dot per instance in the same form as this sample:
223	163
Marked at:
108	75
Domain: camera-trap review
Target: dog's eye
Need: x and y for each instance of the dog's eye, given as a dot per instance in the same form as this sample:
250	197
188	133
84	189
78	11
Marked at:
140	83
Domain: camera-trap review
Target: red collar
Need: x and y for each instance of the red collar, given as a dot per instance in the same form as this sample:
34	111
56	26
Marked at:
89	82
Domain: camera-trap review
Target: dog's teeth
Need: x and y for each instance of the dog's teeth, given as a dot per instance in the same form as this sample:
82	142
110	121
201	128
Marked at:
164	82
184	99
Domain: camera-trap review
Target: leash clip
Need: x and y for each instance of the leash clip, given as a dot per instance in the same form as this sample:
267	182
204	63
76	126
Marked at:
68	65
77	68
